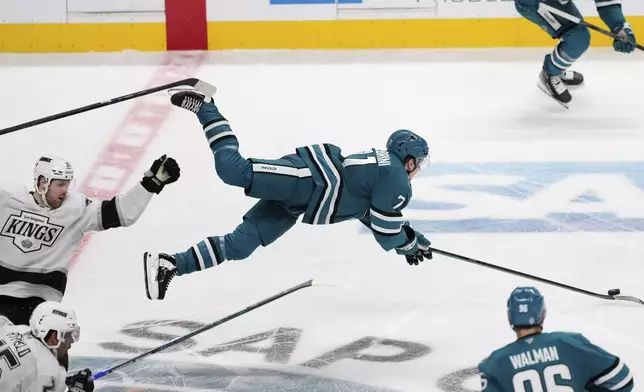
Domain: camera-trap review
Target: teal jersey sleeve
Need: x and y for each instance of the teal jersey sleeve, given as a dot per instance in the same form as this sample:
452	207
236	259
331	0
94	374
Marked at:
606	371
389	197
610	12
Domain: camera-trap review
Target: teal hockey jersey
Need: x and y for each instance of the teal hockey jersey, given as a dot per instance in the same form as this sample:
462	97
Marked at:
371	186
557	361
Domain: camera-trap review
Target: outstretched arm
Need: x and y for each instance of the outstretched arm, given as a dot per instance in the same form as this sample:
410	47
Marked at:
125	209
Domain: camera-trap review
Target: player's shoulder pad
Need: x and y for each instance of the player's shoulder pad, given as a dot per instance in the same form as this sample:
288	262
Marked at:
14	189
393	175
77	201
486	365
489	362
570	337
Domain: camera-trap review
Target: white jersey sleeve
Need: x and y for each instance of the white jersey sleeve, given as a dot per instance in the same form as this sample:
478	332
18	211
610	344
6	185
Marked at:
26	365
37	244
121	211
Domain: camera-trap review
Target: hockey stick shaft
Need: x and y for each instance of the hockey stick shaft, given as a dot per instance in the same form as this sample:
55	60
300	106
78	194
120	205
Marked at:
202	86
537	278
582	22
180	339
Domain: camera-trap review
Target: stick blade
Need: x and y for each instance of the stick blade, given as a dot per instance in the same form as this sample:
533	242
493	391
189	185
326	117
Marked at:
628	298
208	89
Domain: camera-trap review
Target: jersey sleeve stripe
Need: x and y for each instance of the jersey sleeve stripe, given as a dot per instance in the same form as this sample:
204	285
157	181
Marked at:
625	383
385	213
109	214
384	230
387	225
617	374
387	217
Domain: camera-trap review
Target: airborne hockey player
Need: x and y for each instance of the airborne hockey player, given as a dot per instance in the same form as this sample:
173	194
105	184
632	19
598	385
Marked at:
43	226
318	183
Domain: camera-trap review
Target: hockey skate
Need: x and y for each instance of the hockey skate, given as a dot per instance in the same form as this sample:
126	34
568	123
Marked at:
572	78
554	87
158	271
189	99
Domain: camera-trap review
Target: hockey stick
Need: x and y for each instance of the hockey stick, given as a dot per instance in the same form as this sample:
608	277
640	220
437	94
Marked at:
180	339
582	22
200	85
612	294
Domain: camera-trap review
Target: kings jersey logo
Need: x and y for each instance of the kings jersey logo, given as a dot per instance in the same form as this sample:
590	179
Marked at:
30	232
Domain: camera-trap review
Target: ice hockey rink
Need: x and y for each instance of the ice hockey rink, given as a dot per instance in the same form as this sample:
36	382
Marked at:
515	180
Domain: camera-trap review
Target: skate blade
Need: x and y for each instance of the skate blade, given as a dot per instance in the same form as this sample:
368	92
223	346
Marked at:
545	91
145	274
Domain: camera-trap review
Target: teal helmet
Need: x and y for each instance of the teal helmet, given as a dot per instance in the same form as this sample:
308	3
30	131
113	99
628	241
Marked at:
407	145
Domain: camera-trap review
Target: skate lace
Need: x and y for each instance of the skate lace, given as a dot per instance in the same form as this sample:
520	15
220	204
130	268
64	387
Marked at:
557	85
165	275
169	279
191	104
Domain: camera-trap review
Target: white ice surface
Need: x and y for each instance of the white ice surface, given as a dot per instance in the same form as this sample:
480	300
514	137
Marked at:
474	107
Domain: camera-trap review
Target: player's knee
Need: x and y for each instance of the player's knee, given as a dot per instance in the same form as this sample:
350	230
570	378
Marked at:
232	168
577	41
228	174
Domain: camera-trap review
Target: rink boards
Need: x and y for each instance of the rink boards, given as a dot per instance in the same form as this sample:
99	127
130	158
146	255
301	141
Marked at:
102	25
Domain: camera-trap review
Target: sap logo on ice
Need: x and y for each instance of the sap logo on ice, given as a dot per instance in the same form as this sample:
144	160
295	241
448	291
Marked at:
529	197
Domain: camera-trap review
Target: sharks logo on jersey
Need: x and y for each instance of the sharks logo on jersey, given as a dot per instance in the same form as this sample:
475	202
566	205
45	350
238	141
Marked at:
30	232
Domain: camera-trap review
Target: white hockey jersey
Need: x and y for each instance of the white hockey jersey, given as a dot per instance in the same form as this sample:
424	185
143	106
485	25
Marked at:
37	243
26	365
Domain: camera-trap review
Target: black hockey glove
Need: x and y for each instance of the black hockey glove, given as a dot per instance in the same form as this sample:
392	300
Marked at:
80	382
163	171
417	247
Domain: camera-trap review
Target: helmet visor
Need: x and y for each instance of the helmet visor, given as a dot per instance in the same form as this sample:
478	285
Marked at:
73	336
422	162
